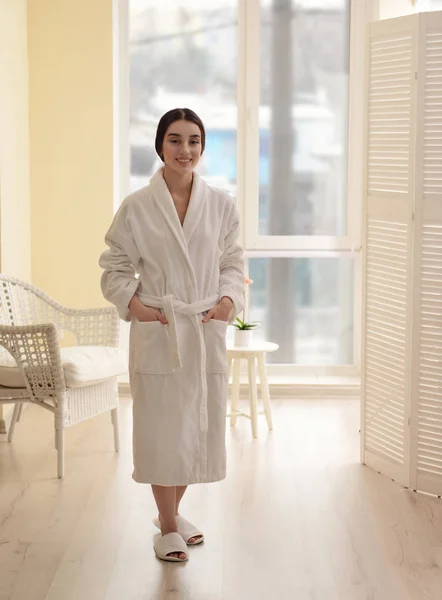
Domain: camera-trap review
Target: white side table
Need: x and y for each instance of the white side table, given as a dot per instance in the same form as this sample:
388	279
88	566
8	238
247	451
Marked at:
253	354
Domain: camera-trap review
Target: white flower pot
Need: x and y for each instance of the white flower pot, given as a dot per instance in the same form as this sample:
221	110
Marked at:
243	337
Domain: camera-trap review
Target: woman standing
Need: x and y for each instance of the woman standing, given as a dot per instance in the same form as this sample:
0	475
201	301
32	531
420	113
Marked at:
181	236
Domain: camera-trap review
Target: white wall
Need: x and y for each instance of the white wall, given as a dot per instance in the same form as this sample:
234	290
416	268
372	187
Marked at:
397	8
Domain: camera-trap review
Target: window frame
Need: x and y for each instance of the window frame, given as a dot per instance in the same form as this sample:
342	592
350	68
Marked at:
248	88
248	100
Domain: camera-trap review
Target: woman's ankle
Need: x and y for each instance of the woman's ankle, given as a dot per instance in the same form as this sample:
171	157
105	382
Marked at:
176	515
169	524
170	528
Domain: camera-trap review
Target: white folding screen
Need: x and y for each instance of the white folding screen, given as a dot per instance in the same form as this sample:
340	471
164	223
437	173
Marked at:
402	312
427	334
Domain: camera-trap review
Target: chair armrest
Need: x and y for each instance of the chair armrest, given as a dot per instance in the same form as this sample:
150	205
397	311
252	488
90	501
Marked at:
36	350
92	327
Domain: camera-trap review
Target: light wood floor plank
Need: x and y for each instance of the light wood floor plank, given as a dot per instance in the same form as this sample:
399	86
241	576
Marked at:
297	518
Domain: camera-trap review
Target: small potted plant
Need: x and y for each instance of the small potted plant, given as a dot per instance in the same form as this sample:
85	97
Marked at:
243	332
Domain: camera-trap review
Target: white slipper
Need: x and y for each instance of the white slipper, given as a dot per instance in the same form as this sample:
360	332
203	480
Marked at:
185	529
171	542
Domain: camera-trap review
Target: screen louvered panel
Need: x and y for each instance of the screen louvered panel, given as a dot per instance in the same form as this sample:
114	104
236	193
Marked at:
432	134
389	113
402	304
385	339
429	431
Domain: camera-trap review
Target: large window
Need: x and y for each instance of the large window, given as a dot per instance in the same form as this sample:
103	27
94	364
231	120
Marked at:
270	79
305	303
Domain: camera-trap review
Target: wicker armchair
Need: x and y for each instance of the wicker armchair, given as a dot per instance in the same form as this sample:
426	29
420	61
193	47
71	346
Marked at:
74	383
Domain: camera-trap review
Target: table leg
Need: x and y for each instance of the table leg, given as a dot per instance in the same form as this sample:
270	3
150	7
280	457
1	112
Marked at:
234	404
265	389
253	395
229	365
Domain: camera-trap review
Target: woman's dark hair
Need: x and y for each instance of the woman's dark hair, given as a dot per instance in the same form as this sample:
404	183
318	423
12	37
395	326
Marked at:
177	114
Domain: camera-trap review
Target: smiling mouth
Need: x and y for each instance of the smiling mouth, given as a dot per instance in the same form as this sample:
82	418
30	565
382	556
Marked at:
184	162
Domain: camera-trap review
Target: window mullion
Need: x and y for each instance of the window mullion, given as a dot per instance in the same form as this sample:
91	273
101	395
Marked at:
313	243
248	116
361	13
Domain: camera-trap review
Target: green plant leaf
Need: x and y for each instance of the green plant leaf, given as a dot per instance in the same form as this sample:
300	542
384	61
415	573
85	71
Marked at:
243	326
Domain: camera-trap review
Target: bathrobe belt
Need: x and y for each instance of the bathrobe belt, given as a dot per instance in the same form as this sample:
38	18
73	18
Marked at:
171	305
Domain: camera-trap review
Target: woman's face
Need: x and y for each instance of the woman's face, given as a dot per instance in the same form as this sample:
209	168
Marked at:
182	146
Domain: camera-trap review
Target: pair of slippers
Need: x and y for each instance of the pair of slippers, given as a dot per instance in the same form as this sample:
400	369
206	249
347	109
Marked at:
176	541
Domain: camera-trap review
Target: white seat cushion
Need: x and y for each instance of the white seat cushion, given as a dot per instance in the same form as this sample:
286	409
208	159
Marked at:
82	365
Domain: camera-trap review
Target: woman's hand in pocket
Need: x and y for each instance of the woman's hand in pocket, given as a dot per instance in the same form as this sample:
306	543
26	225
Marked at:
150	314
145	314
220	312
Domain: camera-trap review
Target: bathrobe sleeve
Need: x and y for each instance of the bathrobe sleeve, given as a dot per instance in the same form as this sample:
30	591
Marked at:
120	263
232	264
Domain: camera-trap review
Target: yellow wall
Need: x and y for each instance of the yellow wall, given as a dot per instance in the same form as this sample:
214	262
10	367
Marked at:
71	145
14	141
15	245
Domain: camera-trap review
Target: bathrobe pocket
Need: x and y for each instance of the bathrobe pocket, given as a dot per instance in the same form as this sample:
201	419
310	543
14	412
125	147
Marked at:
152	349
215	338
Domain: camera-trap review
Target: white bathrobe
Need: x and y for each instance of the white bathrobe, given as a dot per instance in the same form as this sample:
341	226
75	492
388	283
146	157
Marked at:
178	372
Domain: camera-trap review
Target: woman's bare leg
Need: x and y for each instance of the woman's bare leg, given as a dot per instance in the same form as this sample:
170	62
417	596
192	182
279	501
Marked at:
165	497
180	491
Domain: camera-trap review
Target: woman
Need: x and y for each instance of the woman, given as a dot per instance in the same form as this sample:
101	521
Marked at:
181	236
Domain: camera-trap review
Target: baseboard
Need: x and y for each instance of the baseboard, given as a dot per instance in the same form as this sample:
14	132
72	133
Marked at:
312	391
326	389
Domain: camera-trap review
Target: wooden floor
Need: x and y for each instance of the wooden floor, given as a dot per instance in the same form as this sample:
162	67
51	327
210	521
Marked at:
297	518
